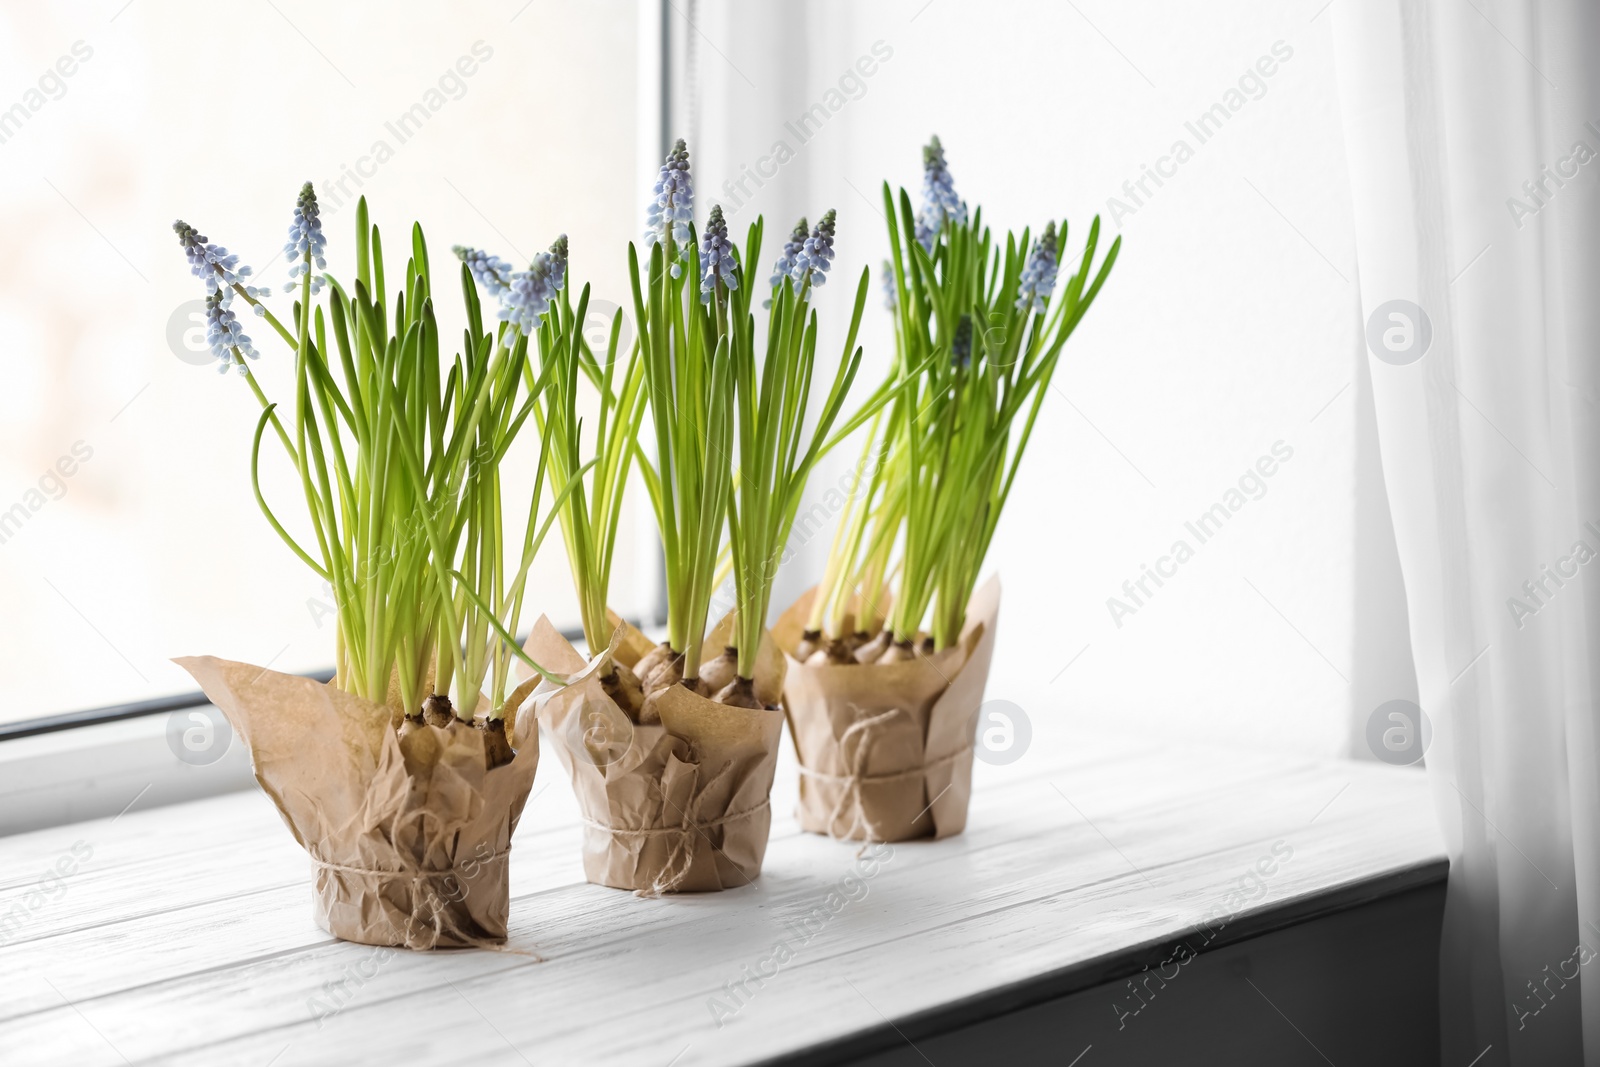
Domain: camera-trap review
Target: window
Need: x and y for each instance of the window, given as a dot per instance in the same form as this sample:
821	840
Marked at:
129	532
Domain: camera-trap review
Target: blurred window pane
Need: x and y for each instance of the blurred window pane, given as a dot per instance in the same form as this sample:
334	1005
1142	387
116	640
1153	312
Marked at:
128	529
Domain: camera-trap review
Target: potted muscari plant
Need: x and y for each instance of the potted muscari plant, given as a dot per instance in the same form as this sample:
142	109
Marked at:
889	655
405	775
672	753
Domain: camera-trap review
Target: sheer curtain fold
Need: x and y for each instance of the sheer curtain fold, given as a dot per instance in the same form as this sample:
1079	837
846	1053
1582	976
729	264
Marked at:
1472	131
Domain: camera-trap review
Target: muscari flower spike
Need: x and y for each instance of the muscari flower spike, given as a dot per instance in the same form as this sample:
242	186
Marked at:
558	262
939	199
961	343
718	260
215	265
673	207
811	263
784	267
491	272
1039	272
889	292
224	333
306	241
529	294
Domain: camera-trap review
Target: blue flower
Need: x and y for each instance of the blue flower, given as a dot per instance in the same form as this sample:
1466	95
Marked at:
672	207
529	294
811	263
491	272
306	241
215	265
1039	272
224	333
784	267
718	260
890	291
524	295
939	199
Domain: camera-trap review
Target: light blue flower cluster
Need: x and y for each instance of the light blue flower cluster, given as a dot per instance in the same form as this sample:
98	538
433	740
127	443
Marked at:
224	333
718	261
890	301
672	208
530	292
939	199
1039	272
306	241
491	272
811	263
784	267
215	265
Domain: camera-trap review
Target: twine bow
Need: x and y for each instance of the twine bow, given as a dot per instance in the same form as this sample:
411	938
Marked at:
440	919
680	853
863	734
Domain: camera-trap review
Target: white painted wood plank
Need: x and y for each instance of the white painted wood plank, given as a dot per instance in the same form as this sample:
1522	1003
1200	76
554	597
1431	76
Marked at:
228	841
114	942
1137	849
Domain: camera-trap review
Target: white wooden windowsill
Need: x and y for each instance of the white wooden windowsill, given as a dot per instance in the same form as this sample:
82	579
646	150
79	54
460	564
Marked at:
184	934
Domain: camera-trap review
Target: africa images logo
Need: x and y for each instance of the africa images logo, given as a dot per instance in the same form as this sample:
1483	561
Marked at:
199	736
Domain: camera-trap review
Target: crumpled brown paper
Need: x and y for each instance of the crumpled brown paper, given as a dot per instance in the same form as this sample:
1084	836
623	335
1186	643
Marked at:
675	807
886	748
408	837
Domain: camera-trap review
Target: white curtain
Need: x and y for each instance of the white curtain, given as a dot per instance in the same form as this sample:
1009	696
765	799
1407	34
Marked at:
1472	129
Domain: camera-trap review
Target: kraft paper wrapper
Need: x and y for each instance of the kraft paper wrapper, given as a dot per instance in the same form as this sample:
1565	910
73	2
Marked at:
675	807
886	749
409	837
